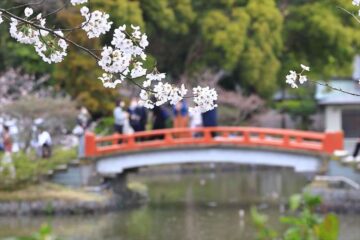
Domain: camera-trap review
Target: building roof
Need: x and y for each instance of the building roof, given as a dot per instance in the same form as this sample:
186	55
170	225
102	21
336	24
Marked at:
326	96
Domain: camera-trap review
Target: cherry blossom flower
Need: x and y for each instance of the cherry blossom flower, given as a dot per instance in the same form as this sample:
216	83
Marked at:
356	2
108	80
121	41
77	2
145	100
305	68
302	79
41	20
114	60
96	23
138	70
136	33
153	77
293	77
28	12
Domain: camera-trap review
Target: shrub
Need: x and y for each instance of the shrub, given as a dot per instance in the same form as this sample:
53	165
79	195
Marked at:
302	224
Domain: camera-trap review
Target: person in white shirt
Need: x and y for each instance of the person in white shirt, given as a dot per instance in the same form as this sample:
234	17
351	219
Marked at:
119	117
44	144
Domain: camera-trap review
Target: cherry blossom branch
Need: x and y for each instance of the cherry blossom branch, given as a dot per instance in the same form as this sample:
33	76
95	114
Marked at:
39	27
11	15
334	88
293	78
122	60
350	13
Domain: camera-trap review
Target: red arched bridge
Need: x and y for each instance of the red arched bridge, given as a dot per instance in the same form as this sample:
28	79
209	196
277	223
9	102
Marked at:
244	145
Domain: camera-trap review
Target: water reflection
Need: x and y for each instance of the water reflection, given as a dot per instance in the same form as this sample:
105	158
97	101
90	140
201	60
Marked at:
193	206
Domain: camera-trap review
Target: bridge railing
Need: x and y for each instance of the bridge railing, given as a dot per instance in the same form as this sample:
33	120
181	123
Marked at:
234	136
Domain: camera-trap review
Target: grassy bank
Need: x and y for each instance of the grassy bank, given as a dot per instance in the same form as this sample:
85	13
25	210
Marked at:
30	168
49	192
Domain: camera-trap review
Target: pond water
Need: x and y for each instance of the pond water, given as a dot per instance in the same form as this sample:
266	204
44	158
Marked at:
187	203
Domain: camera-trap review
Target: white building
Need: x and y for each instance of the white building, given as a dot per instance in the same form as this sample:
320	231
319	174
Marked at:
341	110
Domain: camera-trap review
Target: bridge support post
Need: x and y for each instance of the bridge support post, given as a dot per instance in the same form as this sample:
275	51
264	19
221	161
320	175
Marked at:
333	141
119	184
90	144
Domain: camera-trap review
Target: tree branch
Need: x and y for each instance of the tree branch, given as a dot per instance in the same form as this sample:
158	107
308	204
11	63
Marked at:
350	13
334	88
26	5
5	12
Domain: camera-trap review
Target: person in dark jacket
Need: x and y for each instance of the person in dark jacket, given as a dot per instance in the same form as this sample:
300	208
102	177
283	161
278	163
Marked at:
160	117
138	116
209	119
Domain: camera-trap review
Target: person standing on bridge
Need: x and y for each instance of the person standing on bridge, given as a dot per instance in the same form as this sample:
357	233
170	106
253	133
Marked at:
137	115
209	119
119	117
181	116
355	154
160	117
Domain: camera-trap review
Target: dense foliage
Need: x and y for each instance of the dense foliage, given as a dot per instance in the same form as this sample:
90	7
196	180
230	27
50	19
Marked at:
30	168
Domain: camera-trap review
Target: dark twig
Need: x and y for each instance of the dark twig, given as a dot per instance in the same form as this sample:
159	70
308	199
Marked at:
26	5
70	30
55	11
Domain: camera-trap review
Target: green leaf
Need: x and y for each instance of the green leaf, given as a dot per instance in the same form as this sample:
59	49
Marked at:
328	229
311	201
258	218
295	201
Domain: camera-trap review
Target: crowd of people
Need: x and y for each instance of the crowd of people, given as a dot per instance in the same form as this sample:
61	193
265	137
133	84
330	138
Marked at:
128	118
41	142
136	118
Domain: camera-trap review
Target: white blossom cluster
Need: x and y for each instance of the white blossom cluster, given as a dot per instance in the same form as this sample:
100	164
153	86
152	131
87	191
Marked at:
160	92
51	49
126	55
123	59
204	99
77	2
293	77
96	23
58	49
108	80
356	2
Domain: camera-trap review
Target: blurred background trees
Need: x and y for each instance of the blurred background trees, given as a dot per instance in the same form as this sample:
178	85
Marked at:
248	45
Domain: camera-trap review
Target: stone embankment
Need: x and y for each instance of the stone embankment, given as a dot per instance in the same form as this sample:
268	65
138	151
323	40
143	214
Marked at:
339	200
